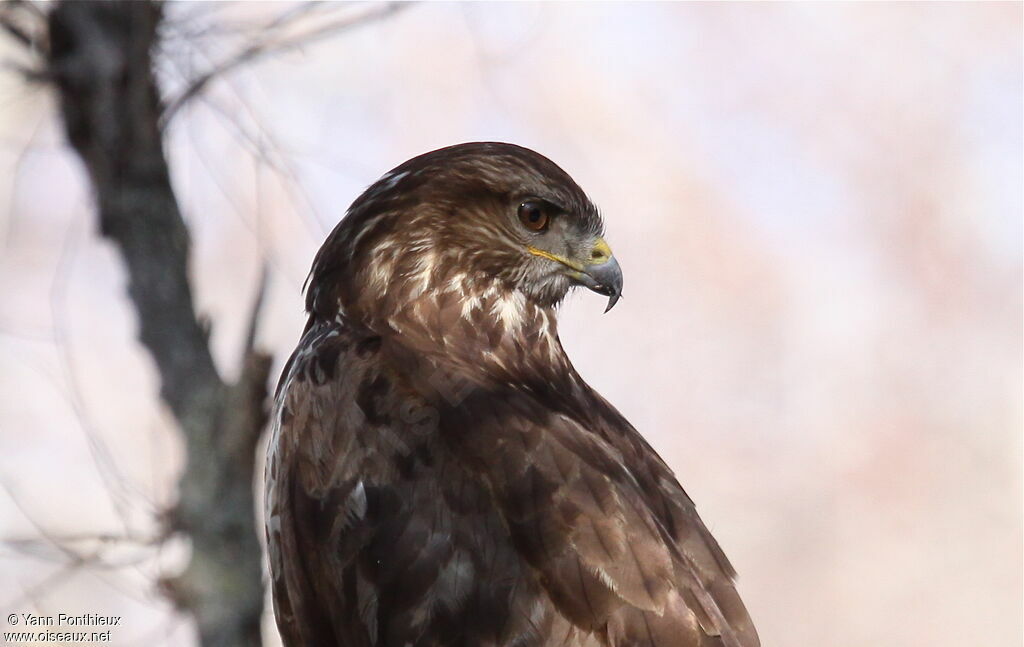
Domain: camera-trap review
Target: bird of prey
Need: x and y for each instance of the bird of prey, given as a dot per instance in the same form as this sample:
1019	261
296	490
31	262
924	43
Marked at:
439	475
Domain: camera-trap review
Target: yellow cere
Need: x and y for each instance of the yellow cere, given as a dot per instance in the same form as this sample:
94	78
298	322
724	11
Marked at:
600	254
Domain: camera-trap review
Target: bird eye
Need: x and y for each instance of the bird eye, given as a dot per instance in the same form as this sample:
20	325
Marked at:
533	215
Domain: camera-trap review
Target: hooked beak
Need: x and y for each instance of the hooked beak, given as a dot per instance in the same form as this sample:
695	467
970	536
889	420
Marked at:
600	273
603	274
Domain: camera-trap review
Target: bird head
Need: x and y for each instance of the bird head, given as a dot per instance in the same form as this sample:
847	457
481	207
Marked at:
462	218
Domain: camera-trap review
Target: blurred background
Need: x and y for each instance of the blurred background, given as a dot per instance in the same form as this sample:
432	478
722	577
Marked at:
817	208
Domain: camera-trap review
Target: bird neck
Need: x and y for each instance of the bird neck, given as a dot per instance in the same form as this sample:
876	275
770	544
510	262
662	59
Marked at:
477	327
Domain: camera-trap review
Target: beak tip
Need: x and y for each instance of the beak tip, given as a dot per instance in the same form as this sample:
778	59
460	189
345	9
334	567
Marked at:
604	277
612	300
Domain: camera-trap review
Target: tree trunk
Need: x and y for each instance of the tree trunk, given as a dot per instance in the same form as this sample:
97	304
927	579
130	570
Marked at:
100	61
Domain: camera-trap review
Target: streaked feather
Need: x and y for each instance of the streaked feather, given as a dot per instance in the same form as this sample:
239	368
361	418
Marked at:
439	474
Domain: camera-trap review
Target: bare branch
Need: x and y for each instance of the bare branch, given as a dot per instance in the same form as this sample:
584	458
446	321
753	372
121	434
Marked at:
99	57
266	45
101	62
25	23
254	315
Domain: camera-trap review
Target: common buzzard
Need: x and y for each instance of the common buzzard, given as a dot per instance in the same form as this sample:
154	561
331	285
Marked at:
439	475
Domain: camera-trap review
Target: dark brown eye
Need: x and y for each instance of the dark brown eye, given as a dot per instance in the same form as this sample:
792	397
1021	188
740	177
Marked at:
533	215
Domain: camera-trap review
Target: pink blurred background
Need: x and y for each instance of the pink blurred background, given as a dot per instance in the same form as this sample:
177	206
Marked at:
817	207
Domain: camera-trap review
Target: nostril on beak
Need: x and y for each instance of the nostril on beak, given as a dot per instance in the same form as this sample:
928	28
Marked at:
600	253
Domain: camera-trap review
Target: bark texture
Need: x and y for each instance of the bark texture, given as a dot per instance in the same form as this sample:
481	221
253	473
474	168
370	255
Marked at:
100	62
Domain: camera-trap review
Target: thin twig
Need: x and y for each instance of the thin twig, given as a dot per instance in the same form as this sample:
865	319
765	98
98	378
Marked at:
264	46
254	314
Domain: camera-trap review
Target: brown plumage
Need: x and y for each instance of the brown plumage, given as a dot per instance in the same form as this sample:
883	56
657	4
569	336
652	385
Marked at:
439	474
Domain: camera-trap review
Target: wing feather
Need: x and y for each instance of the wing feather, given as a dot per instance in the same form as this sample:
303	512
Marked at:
617	543
608	535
